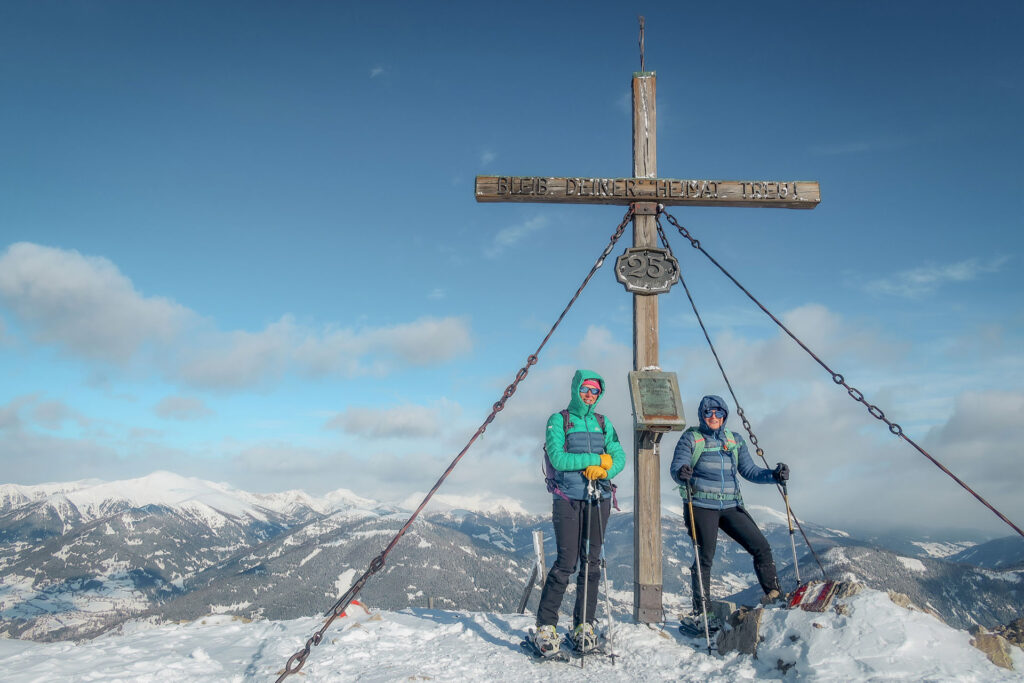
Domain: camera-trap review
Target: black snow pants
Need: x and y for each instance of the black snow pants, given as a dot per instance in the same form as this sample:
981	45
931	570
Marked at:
735	522
571	519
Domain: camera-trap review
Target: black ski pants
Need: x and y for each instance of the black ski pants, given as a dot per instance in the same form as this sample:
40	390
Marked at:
737	523
572	518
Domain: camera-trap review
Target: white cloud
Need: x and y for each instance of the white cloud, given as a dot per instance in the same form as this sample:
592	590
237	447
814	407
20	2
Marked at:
405	421
376	71
238	359
486	157
848	470
918	282
512	235
31	410
982	438
182	408
436	294
10	414
84	303
53	414
762	365
87	307
243	359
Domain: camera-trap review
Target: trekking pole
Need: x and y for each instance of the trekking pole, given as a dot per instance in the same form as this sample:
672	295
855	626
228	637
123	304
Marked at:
792	540
604	583
696	563
586	563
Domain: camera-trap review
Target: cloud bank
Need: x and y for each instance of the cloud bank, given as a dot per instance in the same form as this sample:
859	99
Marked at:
86	307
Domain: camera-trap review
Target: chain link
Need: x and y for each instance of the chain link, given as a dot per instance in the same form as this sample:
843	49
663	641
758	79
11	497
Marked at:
297	660
854	393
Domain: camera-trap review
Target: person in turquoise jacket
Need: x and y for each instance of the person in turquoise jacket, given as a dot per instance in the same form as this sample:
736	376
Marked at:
585	454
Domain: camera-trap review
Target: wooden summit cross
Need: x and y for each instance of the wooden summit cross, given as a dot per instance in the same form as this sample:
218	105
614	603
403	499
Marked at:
645	191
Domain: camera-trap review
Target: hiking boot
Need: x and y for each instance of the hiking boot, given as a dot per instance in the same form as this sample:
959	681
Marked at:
584	639
771	597
546	640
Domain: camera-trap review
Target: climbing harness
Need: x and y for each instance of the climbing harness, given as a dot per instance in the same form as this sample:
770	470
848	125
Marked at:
297	660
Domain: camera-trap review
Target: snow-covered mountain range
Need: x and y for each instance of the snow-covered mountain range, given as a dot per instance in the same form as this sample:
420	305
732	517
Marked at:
80	558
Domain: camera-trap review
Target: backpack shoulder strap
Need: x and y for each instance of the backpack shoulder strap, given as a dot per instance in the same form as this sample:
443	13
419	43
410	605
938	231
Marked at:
698	445
733	446
600	421
546	466
566	423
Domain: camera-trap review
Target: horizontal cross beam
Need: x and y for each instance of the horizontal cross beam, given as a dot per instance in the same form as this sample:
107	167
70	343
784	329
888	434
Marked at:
782	194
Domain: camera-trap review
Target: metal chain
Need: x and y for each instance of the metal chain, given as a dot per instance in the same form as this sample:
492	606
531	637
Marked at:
297	660
736	401
854	393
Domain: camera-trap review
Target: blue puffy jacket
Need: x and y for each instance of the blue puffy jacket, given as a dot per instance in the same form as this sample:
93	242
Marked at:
715	474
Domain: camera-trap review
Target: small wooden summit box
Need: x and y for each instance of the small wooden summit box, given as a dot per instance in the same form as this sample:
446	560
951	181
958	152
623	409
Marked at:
656	401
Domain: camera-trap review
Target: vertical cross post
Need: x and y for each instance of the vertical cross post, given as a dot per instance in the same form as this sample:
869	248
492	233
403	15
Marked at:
647	579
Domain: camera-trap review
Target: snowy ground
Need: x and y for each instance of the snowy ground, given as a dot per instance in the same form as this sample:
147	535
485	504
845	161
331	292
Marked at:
877	642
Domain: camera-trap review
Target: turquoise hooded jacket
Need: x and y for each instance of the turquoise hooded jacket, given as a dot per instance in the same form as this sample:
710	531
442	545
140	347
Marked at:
572	451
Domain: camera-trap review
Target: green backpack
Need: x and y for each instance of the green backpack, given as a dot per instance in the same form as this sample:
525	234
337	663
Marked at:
698	449
698	446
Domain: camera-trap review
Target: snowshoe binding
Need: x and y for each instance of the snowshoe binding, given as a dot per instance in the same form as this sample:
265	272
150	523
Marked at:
544	643
583	639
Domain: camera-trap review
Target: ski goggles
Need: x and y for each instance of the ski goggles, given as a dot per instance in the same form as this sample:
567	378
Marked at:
714	412
590	390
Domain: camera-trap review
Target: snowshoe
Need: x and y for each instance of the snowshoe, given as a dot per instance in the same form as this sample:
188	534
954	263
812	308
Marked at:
692	625
583	638
544	644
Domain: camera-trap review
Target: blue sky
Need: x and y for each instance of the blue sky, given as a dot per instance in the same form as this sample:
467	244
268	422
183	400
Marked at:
239	240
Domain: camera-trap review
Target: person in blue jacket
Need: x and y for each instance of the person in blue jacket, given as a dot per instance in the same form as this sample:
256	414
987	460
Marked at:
713	479
582	448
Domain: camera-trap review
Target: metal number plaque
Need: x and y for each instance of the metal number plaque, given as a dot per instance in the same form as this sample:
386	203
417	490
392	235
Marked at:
657	405
647	270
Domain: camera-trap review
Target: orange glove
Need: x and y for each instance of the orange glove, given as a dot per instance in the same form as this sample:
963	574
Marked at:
595	472
606	461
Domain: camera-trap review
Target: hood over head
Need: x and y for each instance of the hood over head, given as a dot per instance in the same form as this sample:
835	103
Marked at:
708	402
576	404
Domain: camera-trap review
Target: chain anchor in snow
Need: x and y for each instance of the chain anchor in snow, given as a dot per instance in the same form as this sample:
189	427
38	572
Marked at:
297	660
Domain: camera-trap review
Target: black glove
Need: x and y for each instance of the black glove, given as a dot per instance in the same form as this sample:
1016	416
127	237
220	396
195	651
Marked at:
781	472
684	473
